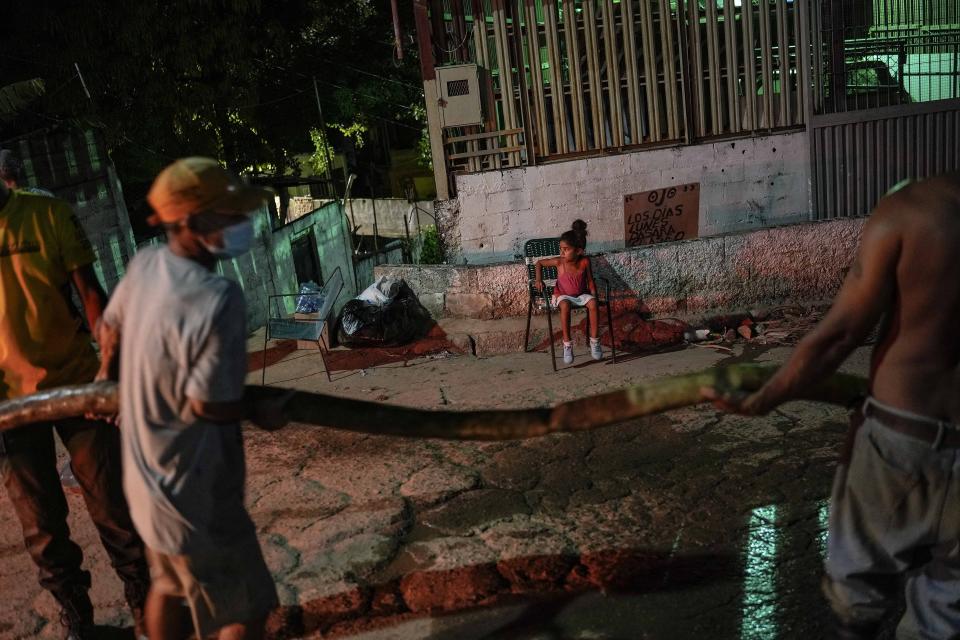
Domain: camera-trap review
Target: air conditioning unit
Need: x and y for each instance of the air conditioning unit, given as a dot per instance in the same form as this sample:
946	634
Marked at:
459	95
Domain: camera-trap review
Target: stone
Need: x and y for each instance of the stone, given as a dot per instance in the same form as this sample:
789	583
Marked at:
435	484
625	457
444	553
463	342
433	302
469	305
387	600
280	558
490	343
285	622
360	556
384	517
463	513
625	569
532	555
294	503
536	573
323	612
451	589
516	469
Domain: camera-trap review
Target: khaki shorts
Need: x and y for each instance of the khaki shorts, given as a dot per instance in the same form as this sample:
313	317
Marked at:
229	586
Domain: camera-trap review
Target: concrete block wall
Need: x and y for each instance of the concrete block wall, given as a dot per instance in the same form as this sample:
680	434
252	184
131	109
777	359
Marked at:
396	217
738	271
390	215
745	184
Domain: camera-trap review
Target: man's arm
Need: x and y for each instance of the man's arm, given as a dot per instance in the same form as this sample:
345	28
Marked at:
266	413
215	385
221	412
91	294
108	336
867	292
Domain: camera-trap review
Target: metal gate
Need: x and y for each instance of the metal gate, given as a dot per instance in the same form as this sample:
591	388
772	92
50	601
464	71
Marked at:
858	156
885	99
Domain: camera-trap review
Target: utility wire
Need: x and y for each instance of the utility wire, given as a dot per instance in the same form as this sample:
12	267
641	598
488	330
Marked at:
130	141
295	92
334	84
375	75
275	101
369	115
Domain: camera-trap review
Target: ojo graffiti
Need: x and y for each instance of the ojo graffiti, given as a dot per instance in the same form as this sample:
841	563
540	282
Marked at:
661	215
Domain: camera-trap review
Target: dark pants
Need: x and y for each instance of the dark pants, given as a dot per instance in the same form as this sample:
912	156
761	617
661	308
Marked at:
33	485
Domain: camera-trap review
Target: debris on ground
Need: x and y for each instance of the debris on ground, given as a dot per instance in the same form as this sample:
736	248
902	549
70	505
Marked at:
783	326
713	345
696	335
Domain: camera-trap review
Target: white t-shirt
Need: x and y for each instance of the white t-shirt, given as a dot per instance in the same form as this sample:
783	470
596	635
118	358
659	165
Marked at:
183	335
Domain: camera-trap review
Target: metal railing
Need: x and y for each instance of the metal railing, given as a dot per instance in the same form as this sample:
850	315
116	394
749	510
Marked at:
484	151
885	53
580	77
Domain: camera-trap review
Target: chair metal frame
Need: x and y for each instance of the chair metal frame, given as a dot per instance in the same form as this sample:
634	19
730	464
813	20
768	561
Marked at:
307	328
538	249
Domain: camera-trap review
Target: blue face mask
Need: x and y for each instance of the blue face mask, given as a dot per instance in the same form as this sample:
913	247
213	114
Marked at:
237	240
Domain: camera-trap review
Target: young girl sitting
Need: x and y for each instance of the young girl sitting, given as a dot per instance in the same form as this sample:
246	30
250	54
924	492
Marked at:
575	286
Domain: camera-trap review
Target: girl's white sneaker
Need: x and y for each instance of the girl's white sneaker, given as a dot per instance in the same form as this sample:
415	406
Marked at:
596	352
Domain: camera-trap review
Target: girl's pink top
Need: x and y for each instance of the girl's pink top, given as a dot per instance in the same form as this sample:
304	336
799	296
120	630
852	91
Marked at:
571	284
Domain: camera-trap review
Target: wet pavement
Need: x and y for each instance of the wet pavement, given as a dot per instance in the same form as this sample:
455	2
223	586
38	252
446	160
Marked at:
688	524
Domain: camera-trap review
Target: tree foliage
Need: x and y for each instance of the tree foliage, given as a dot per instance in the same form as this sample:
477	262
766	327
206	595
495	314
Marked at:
226	78
16	97
431	251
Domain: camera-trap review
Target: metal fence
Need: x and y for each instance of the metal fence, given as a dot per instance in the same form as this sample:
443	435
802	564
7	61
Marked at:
885	99
584	76
857	157
878	53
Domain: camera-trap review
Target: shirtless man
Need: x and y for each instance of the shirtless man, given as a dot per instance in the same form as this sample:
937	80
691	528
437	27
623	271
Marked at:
894	505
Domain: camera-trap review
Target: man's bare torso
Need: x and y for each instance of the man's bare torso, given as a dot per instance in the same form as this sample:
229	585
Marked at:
916	365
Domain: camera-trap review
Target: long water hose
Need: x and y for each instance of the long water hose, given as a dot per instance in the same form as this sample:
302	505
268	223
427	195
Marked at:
649	397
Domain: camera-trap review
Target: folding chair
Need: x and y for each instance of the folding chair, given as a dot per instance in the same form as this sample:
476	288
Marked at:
537	249
287	328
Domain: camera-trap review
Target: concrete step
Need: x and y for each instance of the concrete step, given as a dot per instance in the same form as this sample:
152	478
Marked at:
485	338
492	337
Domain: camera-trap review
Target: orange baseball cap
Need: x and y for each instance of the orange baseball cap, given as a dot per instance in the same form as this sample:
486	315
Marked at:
194	185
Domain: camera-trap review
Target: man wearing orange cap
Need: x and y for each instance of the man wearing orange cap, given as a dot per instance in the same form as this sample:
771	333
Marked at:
43	250
178	331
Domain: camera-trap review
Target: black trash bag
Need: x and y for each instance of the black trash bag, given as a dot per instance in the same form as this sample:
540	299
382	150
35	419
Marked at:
398	321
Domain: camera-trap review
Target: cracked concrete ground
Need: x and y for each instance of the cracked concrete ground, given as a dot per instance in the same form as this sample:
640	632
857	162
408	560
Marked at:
683	525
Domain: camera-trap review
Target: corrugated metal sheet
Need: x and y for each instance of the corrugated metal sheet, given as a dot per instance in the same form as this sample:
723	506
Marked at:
73	164
859	155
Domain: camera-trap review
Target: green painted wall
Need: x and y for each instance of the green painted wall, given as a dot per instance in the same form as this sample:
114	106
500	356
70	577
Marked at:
268	269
